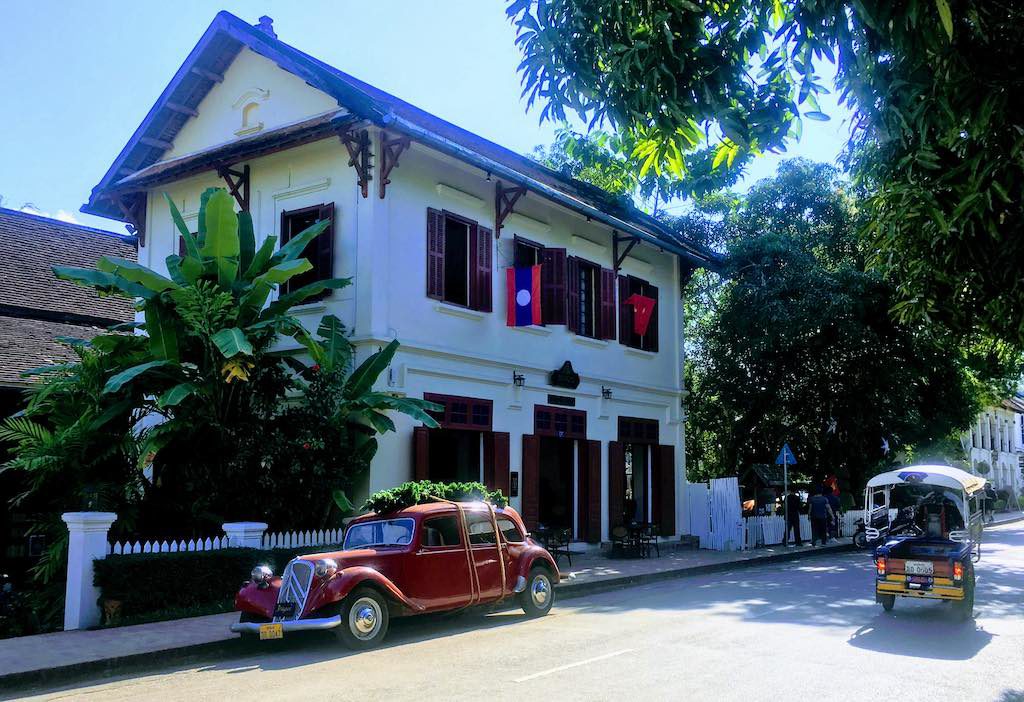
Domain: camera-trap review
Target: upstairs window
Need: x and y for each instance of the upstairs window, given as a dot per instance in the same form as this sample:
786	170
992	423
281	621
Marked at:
648	341
574	292
458	261
591	299
320	251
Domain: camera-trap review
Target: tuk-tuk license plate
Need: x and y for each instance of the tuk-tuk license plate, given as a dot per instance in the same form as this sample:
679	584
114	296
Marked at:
271	631
920	568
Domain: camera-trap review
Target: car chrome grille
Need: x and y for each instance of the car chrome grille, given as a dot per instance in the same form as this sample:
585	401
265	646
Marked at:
295	583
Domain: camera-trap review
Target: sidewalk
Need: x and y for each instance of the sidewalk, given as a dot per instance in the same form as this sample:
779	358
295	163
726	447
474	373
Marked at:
62	656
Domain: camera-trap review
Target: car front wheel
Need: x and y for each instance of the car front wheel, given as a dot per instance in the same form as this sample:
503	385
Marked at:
364	619
539	595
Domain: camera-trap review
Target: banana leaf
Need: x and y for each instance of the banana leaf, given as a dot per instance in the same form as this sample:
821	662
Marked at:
363	377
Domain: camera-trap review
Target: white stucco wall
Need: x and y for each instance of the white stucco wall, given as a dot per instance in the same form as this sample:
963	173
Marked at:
278	96
381	244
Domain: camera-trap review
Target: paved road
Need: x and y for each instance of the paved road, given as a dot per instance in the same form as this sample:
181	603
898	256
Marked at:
809	630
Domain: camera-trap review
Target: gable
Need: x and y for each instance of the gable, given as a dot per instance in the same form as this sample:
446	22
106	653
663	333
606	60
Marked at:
255	96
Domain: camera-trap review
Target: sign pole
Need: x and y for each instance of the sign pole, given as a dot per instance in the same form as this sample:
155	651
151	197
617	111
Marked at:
785	485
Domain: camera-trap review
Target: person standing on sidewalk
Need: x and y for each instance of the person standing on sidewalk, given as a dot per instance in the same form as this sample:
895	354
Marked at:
832	496
821	516
793	507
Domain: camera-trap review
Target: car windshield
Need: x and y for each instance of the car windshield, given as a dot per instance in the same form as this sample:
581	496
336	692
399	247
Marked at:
385	532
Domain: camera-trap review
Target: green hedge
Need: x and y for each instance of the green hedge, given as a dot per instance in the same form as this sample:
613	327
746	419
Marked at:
150	585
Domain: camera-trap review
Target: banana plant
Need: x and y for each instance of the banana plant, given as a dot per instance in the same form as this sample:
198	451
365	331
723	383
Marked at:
208	320
355	406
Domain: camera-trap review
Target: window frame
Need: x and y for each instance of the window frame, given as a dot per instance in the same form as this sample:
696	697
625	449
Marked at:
479	292
445	420
345	544
504	518
594	270
314	252
627	337
480	518
436	518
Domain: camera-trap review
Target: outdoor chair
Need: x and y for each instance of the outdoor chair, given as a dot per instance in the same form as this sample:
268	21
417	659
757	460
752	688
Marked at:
647	535
624	541
557	543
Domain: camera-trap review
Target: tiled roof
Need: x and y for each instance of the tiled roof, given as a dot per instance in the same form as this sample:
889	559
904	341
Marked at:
36	307
29	343
228	34
31	245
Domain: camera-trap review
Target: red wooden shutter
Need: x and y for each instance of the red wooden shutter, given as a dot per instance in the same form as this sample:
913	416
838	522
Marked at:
607	324
552	286
497	456
572	294
625	314
481	242
664	488
616	482
323	259
593	506
435	254
530	480
421	453
651	337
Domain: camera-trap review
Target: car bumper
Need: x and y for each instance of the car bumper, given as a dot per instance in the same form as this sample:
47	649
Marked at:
936	592
289	626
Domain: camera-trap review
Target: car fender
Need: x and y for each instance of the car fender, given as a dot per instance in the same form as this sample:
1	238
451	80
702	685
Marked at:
535	556
260	601
344	581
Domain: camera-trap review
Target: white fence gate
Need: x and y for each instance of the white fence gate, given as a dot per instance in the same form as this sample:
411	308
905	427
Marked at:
698	510
727	530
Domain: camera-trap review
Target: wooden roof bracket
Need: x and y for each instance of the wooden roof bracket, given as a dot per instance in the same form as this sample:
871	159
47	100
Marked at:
238	184
391	149
505	200
359	156
618	258
134	212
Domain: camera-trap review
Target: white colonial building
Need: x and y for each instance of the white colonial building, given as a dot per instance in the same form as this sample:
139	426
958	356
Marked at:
996	440
579	418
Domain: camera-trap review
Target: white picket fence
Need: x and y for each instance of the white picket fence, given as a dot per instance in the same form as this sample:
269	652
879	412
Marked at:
281	539
768	530
291	539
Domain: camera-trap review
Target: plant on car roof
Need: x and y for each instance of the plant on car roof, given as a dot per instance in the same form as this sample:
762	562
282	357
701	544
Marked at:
425	491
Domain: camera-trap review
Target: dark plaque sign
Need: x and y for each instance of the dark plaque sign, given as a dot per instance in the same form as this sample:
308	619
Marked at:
513	484
565	377
562	400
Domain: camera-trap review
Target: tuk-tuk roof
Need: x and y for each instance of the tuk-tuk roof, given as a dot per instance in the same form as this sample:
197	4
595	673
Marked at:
943	476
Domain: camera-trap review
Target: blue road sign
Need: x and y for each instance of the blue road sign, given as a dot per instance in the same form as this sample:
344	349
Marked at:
786	456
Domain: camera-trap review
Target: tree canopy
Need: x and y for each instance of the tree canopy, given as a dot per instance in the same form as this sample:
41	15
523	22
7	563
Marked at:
936	140
799	344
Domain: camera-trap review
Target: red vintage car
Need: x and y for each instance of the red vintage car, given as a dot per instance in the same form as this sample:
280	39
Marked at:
425	558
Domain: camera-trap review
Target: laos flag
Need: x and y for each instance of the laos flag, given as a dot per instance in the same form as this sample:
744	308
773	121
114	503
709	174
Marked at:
523	296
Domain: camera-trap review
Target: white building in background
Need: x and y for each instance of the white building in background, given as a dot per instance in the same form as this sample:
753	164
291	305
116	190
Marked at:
578	418
997	440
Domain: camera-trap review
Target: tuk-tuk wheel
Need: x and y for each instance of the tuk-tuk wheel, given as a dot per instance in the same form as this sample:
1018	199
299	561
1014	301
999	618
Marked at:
965	608
888	602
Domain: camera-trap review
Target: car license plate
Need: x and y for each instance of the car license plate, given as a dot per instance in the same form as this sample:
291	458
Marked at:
271	631
920	567
284	610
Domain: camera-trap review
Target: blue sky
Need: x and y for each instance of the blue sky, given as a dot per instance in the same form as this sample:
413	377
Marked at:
77	78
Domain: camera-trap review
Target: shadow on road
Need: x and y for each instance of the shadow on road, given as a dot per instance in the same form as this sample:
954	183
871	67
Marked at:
817	593
927	633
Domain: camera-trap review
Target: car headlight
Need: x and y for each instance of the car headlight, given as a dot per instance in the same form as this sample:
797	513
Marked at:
261	574
325	568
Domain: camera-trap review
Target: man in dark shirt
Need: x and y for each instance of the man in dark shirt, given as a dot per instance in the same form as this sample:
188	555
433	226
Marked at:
821	514
793	507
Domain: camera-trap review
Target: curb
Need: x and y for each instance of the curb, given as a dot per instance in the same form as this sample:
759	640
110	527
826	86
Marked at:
119	665
570	590
138	662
